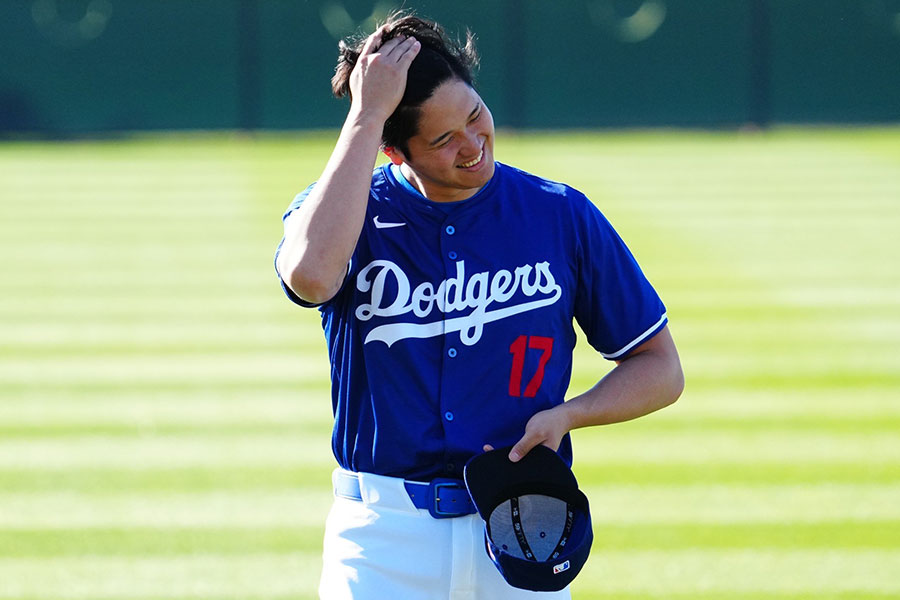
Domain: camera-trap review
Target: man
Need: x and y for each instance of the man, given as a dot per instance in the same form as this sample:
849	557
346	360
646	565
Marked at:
448	284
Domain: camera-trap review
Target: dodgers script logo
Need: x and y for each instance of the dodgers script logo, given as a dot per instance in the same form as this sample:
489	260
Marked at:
455	294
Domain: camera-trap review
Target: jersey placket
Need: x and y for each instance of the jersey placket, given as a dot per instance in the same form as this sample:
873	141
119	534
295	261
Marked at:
453	349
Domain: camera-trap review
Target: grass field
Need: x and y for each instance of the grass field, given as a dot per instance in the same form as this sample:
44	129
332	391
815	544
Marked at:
164	411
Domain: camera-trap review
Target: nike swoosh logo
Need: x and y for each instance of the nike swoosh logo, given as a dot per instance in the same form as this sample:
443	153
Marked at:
380	225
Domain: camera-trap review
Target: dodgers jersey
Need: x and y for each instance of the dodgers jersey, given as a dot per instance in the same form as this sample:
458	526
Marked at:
454	324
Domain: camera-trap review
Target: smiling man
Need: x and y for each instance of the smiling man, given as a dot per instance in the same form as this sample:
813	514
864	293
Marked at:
451	156
448	284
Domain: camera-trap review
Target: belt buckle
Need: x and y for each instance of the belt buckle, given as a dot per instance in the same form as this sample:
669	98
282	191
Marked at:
434	499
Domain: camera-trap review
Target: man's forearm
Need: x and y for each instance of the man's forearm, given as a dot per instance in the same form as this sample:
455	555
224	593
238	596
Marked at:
321	235
649	379
643	383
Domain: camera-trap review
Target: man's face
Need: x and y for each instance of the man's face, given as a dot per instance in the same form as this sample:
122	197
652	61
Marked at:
453	151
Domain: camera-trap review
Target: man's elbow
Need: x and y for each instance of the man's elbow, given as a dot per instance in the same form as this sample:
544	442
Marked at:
674	381
308	284
313	290
676	385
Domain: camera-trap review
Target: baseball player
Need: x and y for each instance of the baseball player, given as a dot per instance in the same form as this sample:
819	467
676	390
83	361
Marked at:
448	284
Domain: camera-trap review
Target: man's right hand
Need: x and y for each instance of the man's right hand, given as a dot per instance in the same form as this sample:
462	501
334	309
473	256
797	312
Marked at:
378	80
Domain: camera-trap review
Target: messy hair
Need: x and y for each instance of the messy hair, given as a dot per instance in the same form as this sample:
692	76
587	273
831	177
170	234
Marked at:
439	60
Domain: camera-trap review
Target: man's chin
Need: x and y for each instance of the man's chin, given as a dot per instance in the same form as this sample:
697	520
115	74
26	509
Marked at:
482	175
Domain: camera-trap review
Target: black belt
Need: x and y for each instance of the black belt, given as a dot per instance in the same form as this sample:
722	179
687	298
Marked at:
443	498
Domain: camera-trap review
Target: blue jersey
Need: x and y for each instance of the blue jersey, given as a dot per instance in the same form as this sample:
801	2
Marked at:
454	324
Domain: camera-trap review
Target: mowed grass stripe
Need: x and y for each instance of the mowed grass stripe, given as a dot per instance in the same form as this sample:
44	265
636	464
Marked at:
737	503
704	310
161	541
25	389
138	369
165	413
227	406
203	479
279	426
207	478
169	430
253	575
46	338
141	406
817	573
304	505
143	541
54	335
307	504
212	575
236	366
71	414
673	447
185	405
153	451
732	378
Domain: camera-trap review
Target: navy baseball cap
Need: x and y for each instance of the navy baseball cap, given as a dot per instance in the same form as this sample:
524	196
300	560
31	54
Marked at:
537	523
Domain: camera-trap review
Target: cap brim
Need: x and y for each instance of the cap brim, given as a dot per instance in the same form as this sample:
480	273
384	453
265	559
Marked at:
492	478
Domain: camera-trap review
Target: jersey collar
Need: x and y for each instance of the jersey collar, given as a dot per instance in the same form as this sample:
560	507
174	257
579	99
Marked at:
395	176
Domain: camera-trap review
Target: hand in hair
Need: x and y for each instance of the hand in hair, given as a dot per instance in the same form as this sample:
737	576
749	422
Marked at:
379	76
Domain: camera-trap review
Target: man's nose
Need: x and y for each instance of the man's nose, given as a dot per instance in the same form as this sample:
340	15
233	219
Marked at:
471	143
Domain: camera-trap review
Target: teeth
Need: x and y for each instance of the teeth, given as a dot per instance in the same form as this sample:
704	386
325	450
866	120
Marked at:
472	163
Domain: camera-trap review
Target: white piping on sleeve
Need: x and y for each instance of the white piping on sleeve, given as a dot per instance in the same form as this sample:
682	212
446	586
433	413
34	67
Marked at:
637	340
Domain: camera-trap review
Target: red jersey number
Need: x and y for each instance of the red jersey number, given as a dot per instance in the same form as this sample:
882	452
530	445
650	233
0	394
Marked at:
518	349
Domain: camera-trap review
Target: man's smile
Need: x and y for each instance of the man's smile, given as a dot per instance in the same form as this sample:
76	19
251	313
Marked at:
473	162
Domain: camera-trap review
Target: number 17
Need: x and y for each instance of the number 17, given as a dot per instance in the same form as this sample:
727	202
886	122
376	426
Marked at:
517	349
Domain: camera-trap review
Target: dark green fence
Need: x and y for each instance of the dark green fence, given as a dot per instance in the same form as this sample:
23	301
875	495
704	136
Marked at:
82	66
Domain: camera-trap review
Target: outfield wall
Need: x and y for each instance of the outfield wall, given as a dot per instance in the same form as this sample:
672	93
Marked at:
83	66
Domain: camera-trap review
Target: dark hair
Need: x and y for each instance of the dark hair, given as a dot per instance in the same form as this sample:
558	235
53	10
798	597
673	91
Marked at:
438	60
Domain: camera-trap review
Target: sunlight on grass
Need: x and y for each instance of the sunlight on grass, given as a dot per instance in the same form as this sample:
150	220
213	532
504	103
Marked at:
165	413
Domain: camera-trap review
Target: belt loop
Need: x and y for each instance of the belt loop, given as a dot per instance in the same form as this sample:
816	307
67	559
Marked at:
346	485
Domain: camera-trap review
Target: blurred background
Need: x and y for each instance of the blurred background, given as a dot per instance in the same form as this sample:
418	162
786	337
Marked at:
75	67
165	412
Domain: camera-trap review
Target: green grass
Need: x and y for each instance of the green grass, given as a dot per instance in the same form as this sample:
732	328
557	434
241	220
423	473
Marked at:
165	416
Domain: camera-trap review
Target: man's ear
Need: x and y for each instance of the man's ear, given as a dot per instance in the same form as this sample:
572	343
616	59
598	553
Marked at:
394	154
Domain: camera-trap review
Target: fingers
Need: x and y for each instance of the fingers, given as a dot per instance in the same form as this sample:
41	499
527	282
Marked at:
487	448
378	79
546	427
373	42
406	50
523	447
398	48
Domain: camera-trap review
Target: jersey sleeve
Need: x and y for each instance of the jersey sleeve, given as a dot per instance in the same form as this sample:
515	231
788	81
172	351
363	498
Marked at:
294	205
615	304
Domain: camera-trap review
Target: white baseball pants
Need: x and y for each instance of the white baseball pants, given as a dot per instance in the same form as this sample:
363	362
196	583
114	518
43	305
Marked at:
384	548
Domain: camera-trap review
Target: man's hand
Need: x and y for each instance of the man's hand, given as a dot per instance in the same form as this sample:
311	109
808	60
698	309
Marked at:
546	427
646	380
378	80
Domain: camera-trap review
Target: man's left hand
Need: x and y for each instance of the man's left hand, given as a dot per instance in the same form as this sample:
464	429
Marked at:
546	427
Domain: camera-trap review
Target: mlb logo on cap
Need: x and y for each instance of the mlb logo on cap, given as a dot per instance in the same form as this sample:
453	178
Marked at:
561	567
537	523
